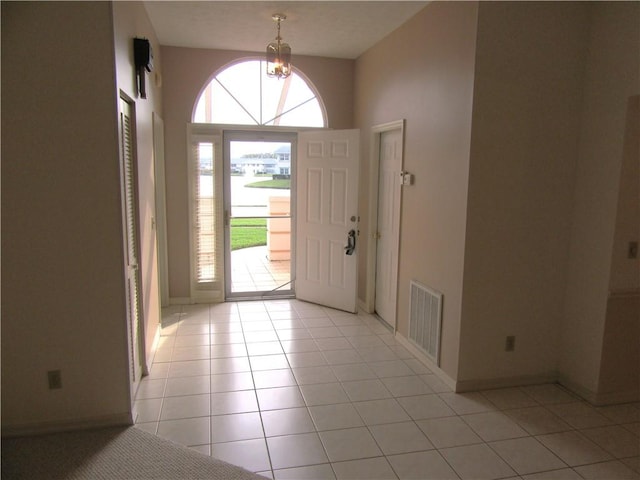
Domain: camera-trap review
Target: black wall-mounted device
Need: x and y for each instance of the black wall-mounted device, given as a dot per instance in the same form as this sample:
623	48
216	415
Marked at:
143	60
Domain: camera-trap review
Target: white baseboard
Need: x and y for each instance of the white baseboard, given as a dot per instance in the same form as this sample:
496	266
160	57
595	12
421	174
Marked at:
600	398
362	306
597	399
203	299
580	390
40	428
154	348
450	382
504	382
613	398
180	301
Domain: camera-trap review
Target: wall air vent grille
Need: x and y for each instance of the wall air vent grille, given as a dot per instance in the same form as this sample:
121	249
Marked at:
425	320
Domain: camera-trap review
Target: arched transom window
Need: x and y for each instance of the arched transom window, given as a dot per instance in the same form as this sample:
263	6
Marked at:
243	94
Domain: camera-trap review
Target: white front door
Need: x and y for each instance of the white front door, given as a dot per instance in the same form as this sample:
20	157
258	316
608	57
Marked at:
388	225
327	225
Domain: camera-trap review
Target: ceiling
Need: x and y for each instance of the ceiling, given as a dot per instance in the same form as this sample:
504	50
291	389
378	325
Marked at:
339	29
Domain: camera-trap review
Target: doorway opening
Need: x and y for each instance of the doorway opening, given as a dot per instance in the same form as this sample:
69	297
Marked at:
384	216
259	181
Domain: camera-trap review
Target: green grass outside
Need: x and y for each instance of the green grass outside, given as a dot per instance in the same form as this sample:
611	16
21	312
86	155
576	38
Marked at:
248	232
284	183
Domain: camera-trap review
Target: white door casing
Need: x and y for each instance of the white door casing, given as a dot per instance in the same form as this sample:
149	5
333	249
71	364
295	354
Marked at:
161	208
327	206
388	224
241	203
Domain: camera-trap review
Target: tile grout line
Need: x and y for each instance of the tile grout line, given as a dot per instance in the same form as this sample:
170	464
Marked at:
504	411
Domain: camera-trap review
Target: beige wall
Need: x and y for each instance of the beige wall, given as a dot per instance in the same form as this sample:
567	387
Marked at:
526	103
63	260
619	375
528	92
625	272
423	72
186	72
63	304
612	76
620	367
552	104
130	20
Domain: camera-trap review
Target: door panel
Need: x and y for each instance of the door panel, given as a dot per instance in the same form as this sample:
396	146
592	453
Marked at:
336	265
328	163
314	196
388	230
313	260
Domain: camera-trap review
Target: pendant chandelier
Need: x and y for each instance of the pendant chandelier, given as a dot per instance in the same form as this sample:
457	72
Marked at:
278	53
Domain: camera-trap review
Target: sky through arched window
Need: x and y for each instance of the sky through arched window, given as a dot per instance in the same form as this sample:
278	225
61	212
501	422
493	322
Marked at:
243	94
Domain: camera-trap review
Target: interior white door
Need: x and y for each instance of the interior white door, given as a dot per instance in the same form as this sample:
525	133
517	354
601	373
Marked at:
388	225
327	218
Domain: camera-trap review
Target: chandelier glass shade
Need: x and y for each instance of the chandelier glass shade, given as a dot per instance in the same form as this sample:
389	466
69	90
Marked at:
278	53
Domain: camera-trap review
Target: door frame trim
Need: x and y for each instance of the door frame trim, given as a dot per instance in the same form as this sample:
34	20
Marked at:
277	134
373	187
159	172
216	130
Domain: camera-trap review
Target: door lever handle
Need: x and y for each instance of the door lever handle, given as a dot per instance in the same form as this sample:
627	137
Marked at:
351	242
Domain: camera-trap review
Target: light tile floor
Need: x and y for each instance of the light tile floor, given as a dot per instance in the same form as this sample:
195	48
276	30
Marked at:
293	391
252	271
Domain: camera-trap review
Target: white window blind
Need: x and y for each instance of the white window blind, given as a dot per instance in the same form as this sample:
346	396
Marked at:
207	242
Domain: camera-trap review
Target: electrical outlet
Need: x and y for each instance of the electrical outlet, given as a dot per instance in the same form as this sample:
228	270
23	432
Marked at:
55	379
510	344
632	251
